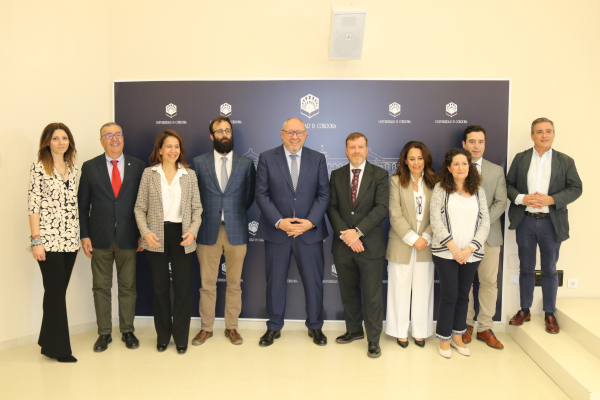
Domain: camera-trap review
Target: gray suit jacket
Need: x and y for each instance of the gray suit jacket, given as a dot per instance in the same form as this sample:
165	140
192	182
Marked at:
494	184
565	187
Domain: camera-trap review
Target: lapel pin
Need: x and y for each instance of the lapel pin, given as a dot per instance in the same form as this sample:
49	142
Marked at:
128	163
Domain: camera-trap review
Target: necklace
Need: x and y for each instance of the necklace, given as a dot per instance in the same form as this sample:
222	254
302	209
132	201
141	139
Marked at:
62	174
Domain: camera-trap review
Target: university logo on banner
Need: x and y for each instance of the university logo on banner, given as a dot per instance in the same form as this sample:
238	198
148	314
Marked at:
253	228
451	109
171	110
394	109
225	109
334	271
309	105
224	268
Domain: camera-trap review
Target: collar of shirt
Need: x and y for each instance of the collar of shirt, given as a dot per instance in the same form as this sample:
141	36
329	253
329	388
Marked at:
219	156
180	171
479	162
288	154
119	159
420	181
543	156
361	167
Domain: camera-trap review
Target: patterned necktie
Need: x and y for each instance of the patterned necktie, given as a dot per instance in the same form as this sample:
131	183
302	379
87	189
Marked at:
116	178
356	173
224	177
294	170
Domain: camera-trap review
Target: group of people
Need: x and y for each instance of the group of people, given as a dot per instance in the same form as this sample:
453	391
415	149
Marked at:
447	222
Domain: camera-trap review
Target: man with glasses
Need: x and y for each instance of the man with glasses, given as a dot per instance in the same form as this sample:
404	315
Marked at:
226	181
494	184
292	193
109	234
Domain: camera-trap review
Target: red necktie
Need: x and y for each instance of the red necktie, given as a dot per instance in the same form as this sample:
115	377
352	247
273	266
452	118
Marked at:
356	173
116	179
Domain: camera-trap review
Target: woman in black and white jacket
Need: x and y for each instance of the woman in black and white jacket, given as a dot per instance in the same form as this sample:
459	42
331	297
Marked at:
460	224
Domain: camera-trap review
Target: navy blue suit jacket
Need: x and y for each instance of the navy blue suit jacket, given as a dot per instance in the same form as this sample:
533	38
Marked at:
276	199
237	199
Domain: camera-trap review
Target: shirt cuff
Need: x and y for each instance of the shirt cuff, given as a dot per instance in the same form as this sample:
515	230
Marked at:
359	233
427	237
277	223
519	200
410	238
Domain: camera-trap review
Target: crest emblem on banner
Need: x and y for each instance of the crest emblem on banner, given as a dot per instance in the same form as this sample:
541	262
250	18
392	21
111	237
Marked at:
225	109
253	227
309	105
171	110
333	270
451	109
224	269
394	109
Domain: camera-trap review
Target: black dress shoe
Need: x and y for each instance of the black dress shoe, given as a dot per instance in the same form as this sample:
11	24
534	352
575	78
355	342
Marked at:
374	350
181	349
102	343
268	338
420	343
161	347
131	342
67	359
350	337
318	338
402	344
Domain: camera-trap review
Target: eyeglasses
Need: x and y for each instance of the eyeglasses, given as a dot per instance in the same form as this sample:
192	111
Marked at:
292	133
117	135
419	200
221	131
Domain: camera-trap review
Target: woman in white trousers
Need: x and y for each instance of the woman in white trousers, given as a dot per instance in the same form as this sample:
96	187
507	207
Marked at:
410	266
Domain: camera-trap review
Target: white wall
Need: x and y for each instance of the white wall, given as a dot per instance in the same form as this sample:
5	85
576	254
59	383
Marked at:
58	60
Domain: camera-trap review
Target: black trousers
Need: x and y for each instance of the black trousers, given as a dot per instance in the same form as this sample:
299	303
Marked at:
56	273
455	284
180	276
352	272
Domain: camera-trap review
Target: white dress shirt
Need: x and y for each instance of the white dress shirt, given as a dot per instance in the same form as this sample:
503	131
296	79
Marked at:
538	178
478	164
360	175
120	165
171	194
289	159
411	237
218	166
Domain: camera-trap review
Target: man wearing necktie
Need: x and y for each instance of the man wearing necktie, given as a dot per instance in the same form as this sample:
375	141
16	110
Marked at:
494	184
109	234
292	193
359	202
226	181
541	182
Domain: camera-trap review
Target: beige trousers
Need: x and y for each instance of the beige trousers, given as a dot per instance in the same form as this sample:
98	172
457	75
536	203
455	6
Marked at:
488	290
209	258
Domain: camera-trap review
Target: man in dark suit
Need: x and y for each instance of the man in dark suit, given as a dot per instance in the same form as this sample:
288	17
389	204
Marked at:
226	181
494	184
292	193
109	234
540	183
359	202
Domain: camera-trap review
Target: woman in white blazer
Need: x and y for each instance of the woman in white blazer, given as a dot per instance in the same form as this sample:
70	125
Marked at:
54	224
410	269
168	214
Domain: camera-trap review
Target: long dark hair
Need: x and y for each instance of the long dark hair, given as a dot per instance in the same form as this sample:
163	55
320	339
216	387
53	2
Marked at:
430	178
472	180
155	157
44	152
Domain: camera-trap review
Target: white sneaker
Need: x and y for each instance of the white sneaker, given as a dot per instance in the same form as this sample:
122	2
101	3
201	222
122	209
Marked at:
445	353
461	350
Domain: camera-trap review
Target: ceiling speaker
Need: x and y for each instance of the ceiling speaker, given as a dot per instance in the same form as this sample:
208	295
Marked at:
347	32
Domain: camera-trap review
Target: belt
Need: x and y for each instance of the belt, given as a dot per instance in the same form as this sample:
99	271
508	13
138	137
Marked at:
172	223
537	215
223	223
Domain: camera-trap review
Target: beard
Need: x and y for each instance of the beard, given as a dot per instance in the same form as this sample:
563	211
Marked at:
223	146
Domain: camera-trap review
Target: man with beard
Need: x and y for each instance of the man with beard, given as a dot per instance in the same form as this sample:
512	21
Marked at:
226	181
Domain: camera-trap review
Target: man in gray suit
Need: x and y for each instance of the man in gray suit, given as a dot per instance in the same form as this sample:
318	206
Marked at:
226	181
541	183
494	185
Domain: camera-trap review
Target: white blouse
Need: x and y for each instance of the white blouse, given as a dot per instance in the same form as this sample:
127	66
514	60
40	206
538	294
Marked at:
419	199
463	214
171	194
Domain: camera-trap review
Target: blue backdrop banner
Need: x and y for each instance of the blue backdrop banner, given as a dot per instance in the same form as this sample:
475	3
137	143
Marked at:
389	112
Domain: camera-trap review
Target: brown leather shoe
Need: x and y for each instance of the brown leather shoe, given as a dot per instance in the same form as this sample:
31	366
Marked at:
201	337
519	318
490	339
552	325
234	336
467	335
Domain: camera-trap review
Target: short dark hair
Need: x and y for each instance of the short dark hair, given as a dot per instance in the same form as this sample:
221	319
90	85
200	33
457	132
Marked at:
473	128
155	157
539	121
357	135
220	118
472	180
107	125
